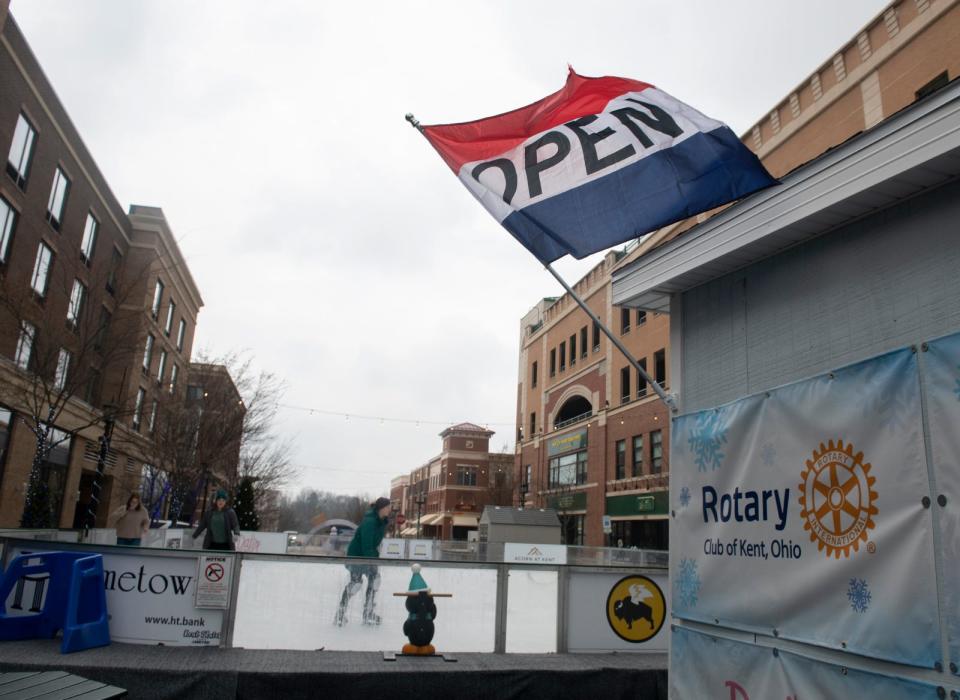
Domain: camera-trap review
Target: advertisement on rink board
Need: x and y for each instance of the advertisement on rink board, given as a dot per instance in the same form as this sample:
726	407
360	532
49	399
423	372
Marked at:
150	600
798	513
618	612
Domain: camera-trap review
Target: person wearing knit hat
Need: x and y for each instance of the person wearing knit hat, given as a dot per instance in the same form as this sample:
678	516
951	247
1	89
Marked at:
365	543
220	524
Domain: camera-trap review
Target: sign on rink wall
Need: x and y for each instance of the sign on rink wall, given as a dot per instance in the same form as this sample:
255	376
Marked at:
941	380
518	552
799	513
702	666
615	611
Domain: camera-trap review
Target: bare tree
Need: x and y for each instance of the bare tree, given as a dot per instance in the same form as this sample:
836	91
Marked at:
75	331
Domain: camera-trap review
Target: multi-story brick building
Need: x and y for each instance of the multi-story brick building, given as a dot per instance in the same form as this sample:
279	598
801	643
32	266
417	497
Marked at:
98	306
446	495
591	441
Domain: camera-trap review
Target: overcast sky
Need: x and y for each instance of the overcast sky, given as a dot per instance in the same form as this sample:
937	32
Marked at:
326	237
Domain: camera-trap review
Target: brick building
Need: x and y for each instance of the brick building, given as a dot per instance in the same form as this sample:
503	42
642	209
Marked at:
591	441
98	307
448	493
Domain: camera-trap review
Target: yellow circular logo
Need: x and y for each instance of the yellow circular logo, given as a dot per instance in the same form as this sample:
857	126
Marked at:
836	498
636	608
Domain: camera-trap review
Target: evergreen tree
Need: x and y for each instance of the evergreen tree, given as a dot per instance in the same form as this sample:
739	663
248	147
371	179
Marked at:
245	506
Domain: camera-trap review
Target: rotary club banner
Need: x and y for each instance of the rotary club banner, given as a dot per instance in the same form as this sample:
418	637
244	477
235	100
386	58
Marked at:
800	513
941	375
703	666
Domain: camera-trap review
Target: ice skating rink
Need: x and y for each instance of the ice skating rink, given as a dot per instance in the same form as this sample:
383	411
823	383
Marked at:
291	604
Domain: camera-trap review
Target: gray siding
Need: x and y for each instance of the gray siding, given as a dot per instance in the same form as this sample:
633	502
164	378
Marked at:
886	281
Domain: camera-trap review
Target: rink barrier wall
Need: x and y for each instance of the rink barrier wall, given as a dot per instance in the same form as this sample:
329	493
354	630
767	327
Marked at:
227	618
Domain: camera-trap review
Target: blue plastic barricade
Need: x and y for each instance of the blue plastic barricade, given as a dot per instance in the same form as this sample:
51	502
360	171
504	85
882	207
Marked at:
55	591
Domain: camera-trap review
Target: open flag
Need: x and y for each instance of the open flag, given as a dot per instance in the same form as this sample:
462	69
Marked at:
600	162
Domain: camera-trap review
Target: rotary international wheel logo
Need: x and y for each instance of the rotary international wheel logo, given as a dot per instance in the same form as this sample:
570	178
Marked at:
837	500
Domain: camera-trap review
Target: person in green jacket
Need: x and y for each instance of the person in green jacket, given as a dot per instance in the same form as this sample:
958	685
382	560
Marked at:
365	543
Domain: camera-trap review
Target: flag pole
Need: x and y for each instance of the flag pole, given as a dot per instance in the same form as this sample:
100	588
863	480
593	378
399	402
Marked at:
666	398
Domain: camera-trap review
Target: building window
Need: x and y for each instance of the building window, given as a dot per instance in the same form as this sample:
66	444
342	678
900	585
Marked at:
568	470
63	369
572	532
181	332
624	321
641	317
573	349
53	471
41	269
157	299
148	353
466	476
77	296
168	326
533	423
8	217
137	409
563	355
25	345
89	239
641	381
933	85
58	199
527	474
656	452
115	260
91	391
625	385
21	151
174	371
596	336
553	361
194	392
583	342
621	459
152	421
103	329
533	376
637	455
6	420
161	366
660	367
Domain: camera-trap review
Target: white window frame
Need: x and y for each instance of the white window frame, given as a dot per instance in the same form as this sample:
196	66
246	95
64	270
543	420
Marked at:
157	299
148	352
152	421
137	408
58	197
77	297
41	269
174	371
171	308
63	369
89	240
25	345
21	150
8	217
181	334
162	366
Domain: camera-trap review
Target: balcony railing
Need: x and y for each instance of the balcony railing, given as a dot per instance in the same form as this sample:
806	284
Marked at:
570	421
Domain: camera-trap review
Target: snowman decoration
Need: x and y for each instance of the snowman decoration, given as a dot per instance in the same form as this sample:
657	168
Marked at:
422	610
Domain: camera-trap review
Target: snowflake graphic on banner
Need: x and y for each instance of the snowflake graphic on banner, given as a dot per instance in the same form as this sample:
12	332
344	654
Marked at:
892	406
706	439
684	497
859	595
686	586
768	454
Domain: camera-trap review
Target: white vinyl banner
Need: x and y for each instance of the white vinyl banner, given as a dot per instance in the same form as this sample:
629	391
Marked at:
799	513
941	376
703	666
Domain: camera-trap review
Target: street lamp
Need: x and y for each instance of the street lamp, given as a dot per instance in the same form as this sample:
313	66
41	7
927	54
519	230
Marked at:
419	499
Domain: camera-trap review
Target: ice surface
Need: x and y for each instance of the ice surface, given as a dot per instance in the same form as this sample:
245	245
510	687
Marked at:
292	605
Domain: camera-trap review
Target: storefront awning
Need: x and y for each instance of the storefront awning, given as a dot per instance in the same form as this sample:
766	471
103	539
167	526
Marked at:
408	531
431	519
464	520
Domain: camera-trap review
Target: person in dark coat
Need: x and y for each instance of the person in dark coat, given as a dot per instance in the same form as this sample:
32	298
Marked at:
365	543
220	523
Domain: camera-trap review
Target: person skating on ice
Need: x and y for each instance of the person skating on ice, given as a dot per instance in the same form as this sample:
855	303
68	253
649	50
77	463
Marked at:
365	543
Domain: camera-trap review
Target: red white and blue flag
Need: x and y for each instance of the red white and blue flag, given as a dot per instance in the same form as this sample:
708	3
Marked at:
600	162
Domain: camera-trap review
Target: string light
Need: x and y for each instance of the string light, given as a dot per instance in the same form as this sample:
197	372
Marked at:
382	419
